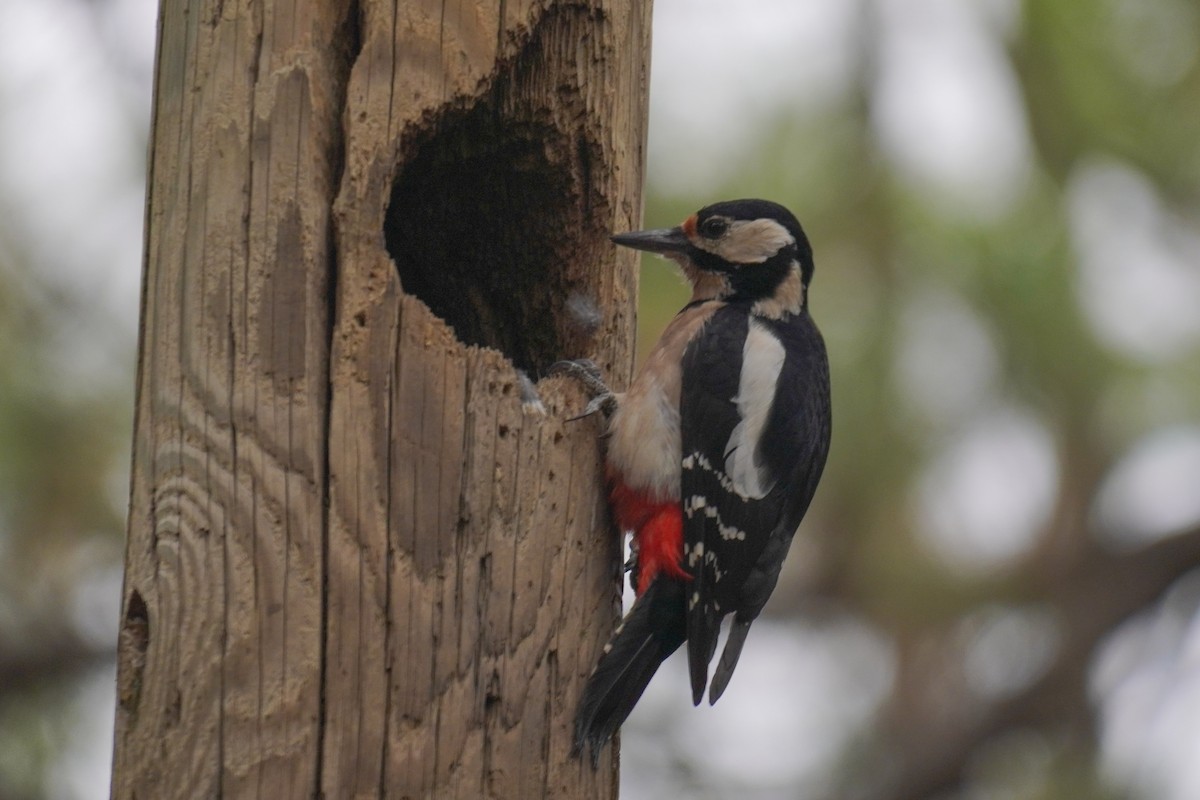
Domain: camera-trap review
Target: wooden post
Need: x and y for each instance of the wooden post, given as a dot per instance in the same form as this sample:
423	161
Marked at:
358	565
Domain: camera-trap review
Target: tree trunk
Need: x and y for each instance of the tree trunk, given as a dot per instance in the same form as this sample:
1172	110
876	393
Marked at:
358	565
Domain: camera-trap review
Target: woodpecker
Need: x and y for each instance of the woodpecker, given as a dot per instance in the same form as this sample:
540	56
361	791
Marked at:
713	453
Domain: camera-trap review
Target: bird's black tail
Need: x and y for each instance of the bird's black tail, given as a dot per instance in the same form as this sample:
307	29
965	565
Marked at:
654	628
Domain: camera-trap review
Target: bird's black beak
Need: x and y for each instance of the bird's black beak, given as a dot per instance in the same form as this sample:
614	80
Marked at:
663	240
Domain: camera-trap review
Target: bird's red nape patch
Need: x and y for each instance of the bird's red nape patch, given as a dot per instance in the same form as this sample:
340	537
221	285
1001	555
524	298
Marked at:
658	530
689	226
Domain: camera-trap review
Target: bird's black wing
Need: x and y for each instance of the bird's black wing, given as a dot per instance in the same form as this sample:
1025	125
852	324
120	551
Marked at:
740	509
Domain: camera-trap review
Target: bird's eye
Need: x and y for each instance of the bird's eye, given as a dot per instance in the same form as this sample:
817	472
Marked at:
713	228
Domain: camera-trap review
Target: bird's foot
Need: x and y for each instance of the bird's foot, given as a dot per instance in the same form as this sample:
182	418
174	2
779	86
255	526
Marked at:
587	373
631	565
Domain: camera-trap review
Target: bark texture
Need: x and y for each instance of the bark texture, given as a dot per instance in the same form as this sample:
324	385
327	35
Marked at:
357	565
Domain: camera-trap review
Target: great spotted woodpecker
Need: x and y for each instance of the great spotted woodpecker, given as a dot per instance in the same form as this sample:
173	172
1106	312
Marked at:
713	453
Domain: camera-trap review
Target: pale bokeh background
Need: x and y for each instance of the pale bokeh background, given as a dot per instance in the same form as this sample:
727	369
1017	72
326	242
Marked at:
993	596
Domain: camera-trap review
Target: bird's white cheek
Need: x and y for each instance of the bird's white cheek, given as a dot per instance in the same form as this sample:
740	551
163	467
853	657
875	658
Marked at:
752	242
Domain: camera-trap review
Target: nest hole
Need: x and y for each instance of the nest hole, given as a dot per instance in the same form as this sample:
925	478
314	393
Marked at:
494	220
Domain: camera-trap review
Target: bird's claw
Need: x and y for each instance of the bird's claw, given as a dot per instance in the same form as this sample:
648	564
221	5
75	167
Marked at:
630	566
605	403
587	373
583	370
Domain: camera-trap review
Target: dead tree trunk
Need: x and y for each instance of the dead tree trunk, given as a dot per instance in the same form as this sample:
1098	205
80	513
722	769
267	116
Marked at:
356	566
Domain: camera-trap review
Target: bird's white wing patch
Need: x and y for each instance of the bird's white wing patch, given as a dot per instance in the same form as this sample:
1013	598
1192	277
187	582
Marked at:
762	362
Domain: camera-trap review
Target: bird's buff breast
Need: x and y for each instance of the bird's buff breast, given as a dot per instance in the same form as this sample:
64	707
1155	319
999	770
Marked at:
644	449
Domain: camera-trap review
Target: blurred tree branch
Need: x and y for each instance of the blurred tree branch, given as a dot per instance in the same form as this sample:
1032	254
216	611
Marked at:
63	657
1099	591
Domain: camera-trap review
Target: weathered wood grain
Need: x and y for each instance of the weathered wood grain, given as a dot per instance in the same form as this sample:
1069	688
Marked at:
357	566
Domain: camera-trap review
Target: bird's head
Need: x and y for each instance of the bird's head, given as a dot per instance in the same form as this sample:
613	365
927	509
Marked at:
737	249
